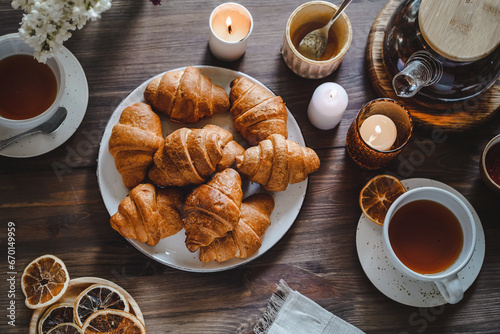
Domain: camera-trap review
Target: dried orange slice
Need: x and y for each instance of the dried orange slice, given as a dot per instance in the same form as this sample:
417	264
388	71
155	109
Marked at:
377	196
44	281
66	328
95	298
55	315
113	322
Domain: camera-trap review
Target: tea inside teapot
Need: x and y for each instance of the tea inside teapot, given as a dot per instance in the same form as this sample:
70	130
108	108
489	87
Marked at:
443	50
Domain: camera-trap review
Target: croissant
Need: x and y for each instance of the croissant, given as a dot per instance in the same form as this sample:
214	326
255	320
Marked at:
212	209
133	142
149	214
231	148
188	156
186	96
245	239
257	113
277	162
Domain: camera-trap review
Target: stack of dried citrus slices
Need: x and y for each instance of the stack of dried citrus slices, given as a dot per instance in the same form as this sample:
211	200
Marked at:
100	308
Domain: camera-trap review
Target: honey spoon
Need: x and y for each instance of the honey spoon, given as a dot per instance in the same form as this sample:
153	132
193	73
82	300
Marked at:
313	45
49	126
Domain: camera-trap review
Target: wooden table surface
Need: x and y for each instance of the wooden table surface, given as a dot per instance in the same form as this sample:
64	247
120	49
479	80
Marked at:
61	212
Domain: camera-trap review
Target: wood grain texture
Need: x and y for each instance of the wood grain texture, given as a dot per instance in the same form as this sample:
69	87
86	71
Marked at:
55	202
461	30
451	117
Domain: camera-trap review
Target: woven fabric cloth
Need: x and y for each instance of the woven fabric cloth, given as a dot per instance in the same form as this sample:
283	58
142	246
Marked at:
289	312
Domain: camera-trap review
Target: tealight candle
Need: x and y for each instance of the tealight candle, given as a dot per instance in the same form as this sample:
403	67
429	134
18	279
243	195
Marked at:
327	105
230	26
379	132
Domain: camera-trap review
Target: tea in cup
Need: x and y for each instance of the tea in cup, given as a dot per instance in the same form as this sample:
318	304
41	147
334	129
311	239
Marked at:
430	235
30	92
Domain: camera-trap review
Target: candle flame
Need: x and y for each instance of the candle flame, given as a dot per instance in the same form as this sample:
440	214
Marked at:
228	23
374	136
333	93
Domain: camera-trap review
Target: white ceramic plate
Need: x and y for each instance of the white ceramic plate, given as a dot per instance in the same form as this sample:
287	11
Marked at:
172	251
393	283
75	100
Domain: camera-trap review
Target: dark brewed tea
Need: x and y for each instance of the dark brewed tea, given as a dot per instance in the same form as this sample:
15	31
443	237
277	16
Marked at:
27	87
426	236
459	80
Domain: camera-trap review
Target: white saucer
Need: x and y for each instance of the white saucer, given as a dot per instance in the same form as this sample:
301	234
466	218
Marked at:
393	283
75	100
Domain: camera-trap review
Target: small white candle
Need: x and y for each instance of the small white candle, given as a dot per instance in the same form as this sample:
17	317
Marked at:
379	132
327	105
230	26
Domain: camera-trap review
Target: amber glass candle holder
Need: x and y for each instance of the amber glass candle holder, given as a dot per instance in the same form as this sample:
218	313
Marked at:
365	155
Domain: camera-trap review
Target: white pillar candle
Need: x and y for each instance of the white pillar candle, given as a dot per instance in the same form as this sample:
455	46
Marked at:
327	105
230	26
379	132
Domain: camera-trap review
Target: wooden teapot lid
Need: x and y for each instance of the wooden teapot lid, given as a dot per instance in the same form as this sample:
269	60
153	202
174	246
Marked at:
461	30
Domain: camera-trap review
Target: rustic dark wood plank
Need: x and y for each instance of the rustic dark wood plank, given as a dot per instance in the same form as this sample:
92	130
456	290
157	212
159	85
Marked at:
55	201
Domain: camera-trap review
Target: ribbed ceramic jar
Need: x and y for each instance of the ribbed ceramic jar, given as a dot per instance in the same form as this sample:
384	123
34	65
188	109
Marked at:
315	11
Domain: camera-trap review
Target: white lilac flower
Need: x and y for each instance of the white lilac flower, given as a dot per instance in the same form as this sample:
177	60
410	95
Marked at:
46	24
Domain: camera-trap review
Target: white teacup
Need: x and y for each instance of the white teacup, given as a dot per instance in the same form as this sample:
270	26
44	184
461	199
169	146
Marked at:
446	280
11	45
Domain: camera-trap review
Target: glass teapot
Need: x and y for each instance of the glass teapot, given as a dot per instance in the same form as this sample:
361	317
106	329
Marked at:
443	50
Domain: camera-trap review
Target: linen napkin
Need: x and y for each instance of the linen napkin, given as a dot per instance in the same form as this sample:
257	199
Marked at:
289	312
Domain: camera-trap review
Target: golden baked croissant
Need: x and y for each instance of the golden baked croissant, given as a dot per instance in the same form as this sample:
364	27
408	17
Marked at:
188	156
149	214
245	239
231	149
133	142
277	162
186	96
257	113
212	209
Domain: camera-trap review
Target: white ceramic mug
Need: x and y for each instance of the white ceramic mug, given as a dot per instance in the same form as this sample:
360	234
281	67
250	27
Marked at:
12	44
447	281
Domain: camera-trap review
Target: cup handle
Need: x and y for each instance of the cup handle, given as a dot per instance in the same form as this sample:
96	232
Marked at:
451	289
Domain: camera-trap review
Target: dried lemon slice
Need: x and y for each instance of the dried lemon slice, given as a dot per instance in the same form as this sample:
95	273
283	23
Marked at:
377	196
55	315
44	281
95	298
113	322
66	328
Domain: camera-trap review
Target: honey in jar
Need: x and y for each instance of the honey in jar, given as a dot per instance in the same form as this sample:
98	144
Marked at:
333	46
